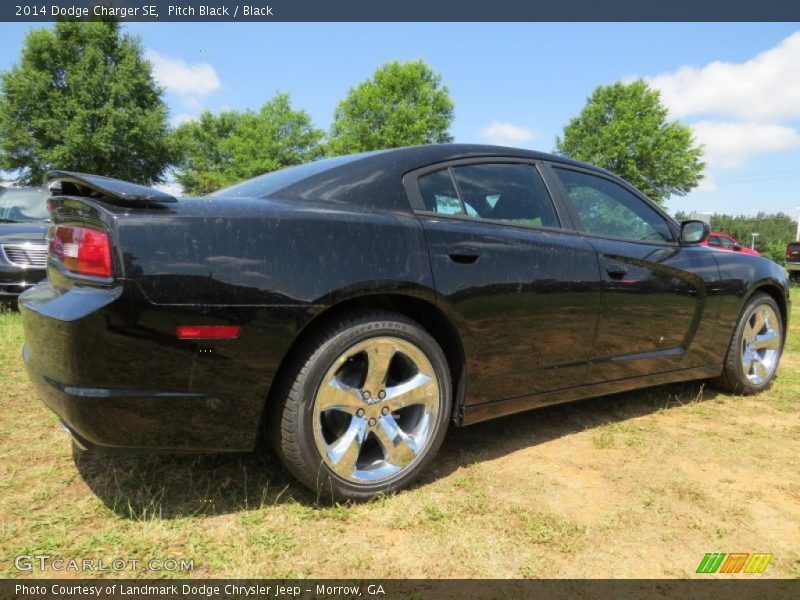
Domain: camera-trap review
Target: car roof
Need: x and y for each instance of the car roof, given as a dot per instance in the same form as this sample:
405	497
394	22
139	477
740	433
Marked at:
435	153
374	179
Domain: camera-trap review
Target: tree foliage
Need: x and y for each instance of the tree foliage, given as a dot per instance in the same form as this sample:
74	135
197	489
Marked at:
219	150
774	231
402	104
204	155
82	98
624	128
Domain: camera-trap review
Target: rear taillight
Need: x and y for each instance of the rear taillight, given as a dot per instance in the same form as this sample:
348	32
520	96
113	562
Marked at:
81	250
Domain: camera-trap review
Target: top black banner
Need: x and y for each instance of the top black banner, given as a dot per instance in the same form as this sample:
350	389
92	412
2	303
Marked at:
401	10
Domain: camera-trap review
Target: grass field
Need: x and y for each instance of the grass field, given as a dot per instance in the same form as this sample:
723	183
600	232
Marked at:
640	484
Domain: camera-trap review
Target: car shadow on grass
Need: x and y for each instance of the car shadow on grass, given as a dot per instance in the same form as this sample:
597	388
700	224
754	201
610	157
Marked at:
146	487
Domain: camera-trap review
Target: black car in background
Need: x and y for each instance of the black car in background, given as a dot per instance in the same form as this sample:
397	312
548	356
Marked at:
23	227
350	309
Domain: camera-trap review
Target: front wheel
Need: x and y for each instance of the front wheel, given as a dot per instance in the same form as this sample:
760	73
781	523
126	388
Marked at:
367	408
755	349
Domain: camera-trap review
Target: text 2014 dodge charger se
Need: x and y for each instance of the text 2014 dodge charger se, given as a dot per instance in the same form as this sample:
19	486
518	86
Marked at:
352	308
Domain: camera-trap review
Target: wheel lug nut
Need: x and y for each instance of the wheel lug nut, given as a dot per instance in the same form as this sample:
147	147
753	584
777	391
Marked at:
365	395
385	410
360	412
382	394
372	422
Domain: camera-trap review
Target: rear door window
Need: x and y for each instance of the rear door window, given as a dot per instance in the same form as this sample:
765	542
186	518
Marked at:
513	193
508	192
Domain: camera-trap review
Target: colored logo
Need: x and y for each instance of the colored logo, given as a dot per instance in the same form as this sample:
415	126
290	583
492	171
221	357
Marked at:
742	562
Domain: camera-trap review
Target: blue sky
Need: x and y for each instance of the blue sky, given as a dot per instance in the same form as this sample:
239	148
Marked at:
738	85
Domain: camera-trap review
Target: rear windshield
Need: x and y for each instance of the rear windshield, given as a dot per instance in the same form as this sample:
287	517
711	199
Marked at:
266	185
18	206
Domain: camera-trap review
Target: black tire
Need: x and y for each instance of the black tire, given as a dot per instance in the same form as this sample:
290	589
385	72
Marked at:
733	378
291	430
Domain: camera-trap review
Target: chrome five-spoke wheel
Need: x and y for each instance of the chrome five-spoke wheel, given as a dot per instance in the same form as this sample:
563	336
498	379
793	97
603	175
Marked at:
755	349
376	410
761	343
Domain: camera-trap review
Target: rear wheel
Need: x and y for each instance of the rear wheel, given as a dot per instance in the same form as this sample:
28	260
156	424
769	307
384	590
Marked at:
366	408
755	349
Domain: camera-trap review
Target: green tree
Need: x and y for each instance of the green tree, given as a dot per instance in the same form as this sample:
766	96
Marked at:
402	104
624	128
203	152
219	150
82	98
774	231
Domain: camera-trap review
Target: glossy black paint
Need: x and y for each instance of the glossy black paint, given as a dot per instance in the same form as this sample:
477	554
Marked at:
122	192
527	316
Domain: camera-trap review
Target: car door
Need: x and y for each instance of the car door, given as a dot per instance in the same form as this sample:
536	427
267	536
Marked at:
521	289
655	290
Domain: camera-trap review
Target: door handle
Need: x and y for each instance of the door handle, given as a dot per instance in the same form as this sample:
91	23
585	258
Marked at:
616	270
463	254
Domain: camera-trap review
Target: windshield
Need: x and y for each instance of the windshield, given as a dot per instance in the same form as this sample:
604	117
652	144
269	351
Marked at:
264	185
18	206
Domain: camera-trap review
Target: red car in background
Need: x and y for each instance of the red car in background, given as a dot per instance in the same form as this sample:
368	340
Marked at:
793	260
722	241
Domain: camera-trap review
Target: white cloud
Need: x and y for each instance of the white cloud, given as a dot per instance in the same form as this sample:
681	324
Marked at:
707	185
764	88
189	80
729	145
192	103
506	134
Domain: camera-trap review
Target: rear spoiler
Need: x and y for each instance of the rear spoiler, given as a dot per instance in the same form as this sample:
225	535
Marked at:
114	191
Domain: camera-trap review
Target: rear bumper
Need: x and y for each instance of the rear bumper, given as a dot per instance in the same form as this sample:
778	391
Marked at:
113	371
128	420
793	266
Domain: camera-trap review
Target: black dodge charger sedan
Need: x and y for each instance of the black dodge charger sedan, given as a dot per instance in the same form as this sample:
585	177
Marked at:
350	309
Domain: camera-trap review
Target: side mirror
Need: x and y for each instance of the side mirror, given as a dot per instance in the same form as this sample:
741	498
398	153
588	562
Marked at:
737	248
694	232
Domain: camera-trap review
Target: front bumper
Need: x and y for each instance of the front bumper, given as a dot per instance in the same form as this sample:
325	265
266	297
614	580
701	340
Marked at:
14	281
